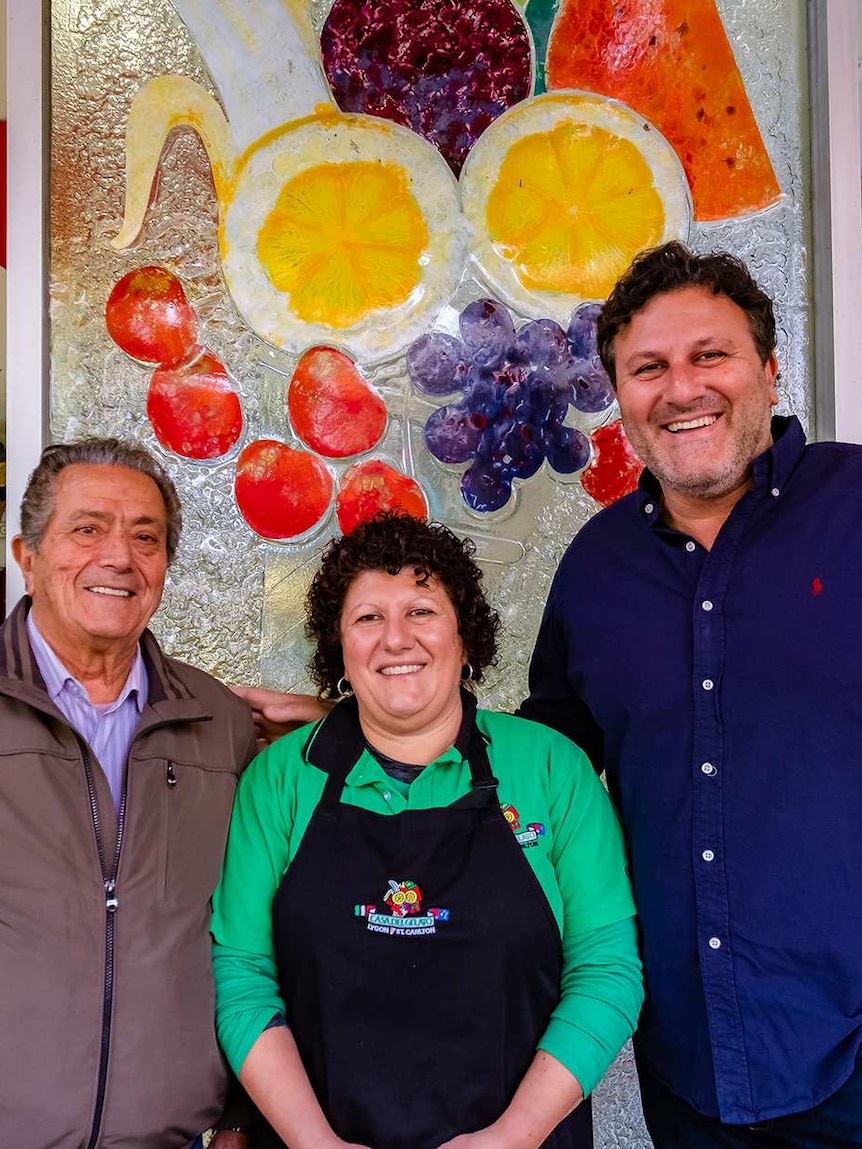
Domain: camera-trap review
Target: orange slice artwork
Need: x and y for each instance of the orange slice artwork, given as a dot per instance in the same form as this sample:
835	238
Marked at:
561	192
671	61
344	239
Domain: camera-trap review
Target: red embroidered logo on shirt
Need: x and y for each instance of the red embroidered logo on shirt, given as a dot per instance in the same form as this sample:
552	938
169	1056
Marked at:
511	815
525	838
816	585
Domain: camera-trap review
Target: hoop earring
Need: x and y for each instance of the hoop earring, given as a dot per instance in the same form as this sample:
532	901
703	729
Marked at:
466	672
343	688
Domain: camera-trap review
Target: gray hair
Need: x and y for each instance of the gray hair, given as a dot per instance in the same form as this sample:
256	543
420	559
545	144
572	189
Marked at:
37	506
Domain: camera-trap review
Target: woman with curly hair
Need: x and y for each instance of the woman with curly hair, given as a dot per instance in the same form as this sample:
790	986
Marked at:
424	930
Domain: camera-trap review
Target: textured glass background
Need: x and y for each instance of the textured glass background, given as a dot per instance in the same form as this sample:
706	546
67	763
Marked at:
233	600
233	603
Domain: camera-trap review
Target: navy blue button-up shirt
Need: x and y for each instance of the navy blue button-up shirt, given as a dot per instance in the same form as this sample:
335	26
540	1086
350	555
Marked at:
721	690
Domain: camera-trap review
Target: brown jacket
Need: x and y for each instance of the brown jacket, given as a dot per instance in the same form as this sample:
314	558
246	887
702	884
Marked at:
146	1072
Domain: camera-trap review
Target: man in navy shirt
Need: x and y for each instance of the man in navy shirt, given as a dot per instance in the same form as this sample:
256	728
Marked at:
703	641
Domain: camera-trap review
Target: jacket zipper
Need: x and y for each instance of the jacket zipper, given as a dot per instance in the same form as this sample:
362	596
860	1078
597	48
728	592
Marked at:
111	903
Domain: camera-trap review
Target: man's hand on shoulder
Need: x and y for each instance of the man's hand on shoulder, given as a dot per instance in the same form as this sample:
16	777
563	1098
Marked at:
276	714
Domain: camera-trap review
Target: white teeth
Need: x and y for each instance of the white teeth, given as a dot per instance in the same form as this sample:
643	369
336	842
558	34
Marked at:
390	670
112	590
691	424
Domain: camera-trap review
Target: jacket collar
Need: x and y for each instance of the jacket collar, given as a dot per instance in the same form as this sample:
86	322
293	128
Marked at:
16	656
20	674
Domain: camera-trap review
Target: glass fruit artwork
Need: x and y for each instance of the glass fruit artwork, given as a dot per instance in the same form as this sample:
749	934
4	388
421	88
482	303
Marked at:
333	227
592	387
194	409
517	390
372	486
332	408
191	403
281	492
671	61
149	317
367	178
561	192
615	468
343	240
445	68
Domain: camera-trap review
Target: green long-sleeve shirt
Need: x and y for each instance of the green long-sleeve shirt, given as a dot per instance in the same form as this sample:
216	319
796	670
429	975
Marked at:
577	855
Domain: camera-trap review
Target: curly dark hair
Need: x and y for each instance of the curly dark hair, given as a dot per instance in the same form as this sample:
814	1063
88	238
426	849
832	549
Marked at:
669	268
389	542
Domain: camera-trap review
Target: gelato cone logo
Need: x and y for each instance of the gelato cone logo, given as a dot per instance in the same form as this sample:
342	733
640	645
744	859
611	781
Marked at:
403	916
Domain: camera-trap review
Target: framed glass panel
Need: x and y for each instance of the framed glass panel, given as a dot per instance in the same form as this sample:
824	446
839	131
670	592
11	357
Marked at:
431	217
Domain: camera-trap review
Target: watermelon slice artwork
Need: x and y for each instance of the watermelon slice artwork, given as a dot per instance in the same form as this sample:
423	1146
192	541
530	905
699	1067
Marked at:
671	61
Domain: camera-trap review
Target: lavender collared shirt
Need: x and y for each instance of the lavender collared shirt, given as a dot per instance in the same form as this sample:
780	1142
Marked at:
106	727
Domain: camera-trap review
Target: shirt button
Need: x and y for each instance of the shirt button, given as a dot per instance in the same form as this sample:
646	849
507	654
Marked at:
715	943
775	492
707	684
707	855
706	604
707	768
689	546
649	508
386	795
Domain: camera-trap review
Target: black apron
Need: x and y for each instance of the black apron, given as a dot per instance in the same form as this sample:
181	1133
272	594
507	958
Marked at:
418	958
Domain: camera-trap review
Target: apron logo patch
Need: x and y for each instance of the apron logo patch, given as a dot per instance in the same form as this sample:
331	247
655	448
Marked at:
405	917
528	837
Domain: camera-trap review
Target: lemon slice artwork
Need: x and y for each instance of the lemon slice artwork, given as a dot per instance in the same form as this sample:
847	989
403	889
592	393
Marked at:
561	192
343	230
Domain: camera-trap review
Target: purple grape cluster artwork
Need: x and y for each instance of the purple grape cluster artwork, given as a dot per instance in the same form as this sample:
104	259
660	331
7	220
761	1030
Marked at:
517	388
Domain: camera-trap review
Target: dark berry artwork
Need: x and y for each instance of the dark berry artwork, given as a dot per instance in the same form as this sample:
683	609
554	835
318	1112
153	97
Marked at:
444	68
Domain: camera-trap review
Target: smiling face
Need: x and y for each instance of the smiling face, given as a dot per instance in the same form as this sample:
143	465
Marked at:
695	398
402	653
98	573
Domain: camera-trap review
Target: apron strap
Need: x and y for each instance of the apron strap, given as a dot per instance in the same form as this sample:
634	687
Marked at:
335	745
480	766
482	794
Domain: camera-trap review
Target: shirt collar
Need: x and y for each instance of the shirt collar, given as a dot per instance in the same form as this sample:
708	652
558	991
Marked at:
368	771
57	677
771	469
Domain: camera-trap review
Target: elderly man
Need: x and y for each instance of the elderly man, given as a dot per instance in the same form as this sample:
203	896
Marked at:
703	641
117	771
